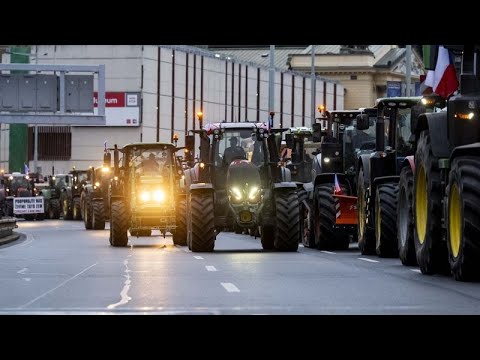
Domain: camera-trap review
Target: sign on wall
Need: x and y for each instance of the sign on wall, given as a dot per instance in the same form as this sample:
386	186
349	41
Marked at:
121	108
394	88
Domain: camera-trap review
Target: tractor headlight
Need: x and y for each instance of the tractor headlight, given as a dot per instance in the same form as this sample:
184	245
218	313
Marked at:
237	193
254	194
145	196
326	160
158	195
97	184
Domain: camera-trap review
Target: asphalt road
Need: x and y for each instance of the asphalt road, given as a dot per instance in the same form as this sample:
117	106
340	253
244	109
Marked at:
60	268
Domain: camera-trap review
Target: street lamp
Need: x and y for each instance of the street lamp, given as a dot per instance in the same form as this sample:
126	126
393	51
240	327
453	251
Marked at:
313	88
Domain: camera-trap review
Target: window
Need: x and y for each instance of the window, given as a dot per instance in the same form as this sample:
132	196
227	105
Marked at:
353	77
54	142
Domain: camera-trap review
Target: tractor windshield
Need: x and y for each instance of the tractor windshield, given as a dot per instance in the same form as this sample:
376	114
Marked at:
19	182
152	161
238	144
357	141
404	130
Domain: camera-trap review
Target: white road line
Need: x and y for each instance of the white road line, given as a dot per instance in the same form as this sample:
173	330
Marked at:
56	287
230	287
27	279
30	239
198	257
211	268
369	260
22	271
416	270
328	252
124	298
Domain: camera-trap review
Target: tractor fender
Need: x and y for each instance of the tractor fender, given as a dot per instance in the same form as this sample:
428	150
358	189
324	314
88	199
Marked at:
436	124
364	163
284	185
201	187
409	161
464	150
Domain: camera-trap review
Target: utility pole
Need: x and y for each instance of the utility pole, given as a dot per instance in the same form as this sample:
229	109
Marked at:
35	141
408	77
313	87
271	81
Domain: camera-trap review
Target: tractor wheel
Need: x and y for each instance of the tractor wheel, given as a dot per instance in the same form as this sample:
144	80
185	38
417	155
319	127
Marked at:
202	218
180	234
431	251
66	211
386	220
54	209
287	234
77	209
118	224
406	244
98	220
307	236
86	214
463	233
365	232
325	235
267	237
9	208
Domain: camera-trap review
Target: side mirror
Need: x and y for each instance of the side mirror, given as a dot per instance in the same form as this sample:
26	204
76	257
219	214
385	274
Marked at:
415	113
317	132
189	147
45	178
107	159
290	141
67	179
362	122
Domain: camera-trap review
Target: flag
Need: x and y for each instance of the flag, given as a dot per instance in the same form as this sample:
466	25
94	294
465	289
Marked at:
425	89
443	80
26	169
338	189
105	145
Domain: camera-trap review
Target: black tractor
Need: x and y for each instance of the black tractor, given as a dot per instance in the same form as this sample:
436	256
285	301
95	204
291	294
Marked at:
15	186
71	187
51	195
94	198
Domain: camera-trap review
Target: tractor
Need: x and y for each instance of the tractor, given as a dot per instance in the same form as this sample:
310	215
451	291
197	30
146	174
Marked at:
446	200
94	198
146	192
326	182
17	185
71	187
240	182
379	175
47	189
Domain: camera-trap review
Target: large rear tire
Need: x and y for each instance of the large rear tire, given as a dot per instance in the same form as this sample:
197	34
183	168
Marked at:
77	209
118	224
54	209
365	232
306	220
463	212
386	220
431	251
287	234
86	213
325	218
267	237
405	223
180	234
66	211
98	219
202	222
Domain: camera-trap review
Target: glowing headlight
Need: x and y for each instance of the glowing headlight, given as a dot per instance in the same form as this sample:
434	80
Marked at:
326	160
253	193
145	196
237	193
105	169
159	195
97	184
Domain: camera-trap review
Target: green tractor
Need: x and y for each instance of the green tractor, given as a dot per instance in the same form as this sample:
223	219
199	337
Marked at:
146	192
71	187
94	198
48	190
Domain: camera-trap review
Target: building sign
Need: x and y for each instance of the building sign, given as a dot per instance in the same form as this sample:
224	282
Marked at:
28	205
121	108
394	88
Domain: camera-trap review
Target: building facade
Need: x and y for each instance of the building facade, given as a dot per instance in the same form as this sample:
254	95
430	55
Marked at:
173	83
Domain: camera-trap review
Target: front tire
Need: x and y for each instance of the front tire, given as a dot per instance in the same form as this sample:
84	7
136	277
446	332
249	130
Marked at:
202	222
405	221
365	232
98	219
287	234
386	220
180	234
118	224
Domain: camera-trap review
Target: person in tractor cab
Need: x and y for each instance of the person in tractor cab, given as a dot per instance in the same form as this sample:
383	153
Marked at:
233	152
150	164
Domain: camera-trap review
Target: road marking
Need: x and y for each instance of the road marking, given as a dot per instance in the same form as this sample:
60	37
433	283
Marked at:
198	257
230	287
22	271
56	287
30	239
328	252
27	279
369	260
211	268
416	270
124	298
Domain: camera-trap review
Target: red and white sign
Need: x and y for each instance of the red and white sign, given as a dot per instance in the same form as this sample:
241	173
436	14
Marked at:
121	108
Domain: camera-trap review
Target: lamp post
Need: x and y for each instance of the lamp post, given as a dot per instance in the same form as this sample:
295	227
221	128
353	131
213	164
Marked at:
313	87
271	85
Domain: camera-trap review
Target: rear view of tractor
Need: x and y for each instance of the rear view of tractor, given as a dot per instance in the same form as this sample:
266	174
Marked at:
94	198
71	187
47	189
240	182
326	187
447	176
378	176
146	192
16	186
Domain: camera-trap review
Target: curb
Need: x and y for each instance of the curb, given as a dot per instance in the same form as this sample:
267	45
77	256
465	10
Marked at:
9	238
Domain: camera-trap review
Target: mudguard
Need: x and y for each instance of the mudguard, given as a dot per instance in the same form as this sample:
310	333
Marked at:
364	163
470	149
437	124
409	161
284	185
201	187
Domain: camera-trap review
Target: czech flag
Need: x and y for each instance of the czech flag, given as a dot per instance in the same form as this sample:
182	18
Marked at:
443	80
338	189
